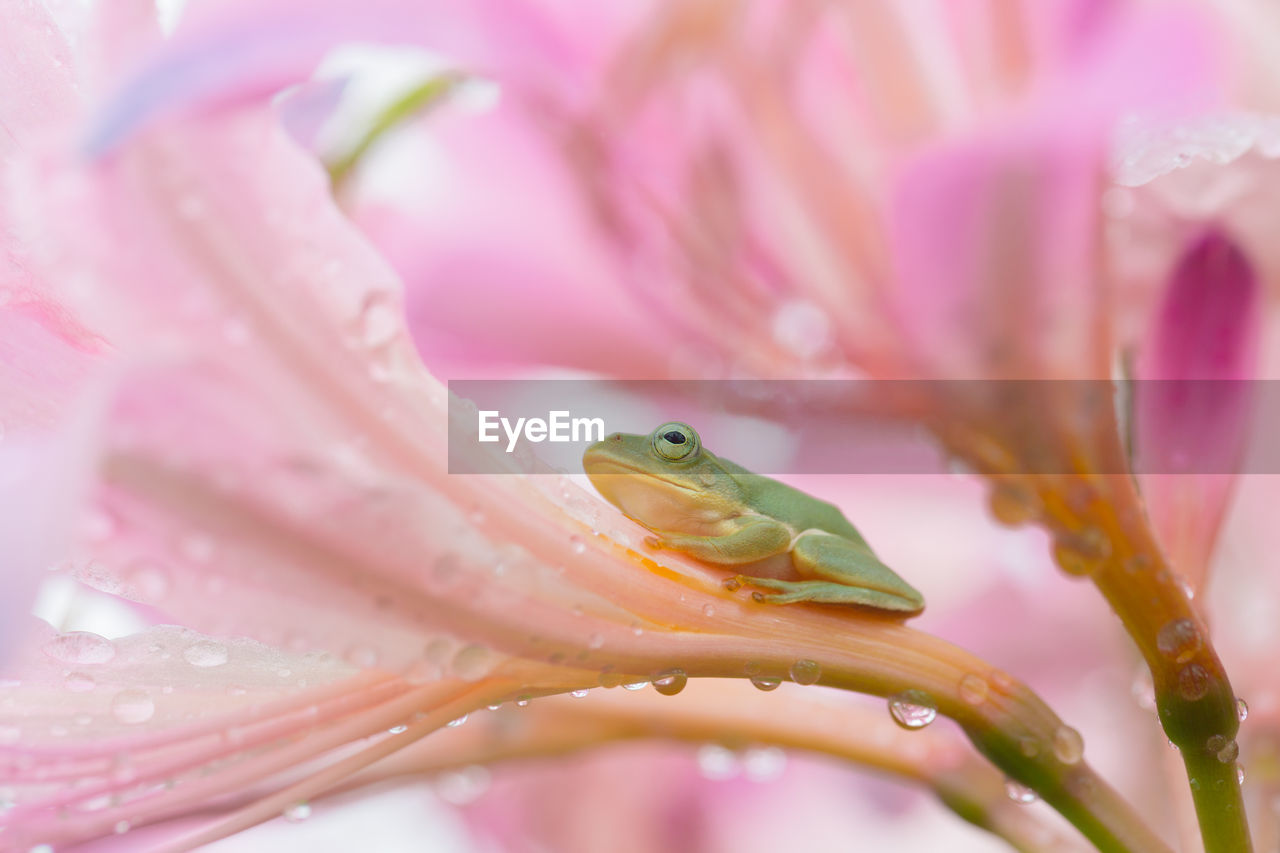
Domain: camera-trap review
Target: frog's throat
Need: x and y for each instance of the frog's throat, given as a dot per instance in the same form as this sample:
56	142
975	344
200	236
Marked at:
623	468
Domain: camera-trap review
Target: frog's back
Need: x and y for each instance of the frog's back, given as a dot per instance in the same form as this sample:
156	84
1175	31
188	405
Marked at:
791	506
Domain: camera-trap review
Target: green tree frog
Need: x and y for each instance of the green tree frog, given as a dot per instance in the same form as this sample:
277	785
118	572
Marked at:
791	546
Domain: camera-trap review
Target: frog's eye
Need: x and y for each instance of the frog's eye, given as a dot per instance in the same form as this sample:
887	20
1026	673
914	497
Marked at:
676	441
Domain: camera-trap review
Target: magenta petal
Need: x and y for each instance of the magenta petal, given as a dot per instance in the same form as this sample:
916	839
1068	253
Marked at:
1194	407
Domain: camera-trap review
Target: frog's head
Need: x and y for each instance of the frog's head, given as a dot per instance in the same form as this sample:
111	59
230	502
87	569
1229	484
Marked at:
665	480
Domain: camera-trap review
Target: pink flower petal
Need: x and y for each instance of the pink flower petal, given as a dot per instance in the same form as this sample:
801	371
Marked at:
1194	411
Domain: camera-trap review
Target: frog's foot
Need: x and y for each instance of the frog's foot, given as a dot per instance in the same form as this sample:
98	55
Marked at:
825	592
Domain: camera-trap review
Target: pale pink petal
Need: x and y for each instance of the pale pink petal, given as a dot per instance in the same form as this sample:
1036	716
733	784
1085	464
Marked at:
995	238
225	53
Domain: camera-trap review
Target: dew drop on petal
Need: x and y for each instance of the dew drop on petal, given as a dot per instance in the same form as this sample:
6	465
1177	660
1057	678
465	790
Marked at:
577	545
80	647
1242	710
802	328
473	662
205	653
806	672
132	706
974	689
671	682
453	724
121	827
398	730
765	682
595	641
708	610
522	702
1068	745
79	682
1019	793
912	709
146	580
379	320
579	694
1178	639
297	812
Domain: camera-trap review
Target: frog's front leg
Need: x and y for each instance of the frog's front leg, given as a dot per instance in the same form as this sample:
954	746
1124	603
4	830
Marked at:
752	539
839	571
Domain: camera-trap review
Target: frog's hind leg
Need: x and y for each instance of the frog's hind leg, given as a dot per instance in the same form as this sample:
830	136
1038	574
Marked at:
847	572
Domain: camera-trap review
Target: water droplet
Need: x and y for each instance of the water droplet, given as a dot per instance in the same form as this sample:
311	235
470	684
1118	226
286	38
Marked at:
732	584
717	763
708	610
145	580
205	653
806	672
577	545
473	662
1193	682
79	682
579	694
1081	553
1019	793
121	827
1179	639
398	730
763	764
912	709
379	320
132	706
1223	748
1068	745
1013	504
766	683
974	689
635	685
453	724
802	328
1239	775
671	682
80	647
297	812
1242	710
1029	746
595	641
522	702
